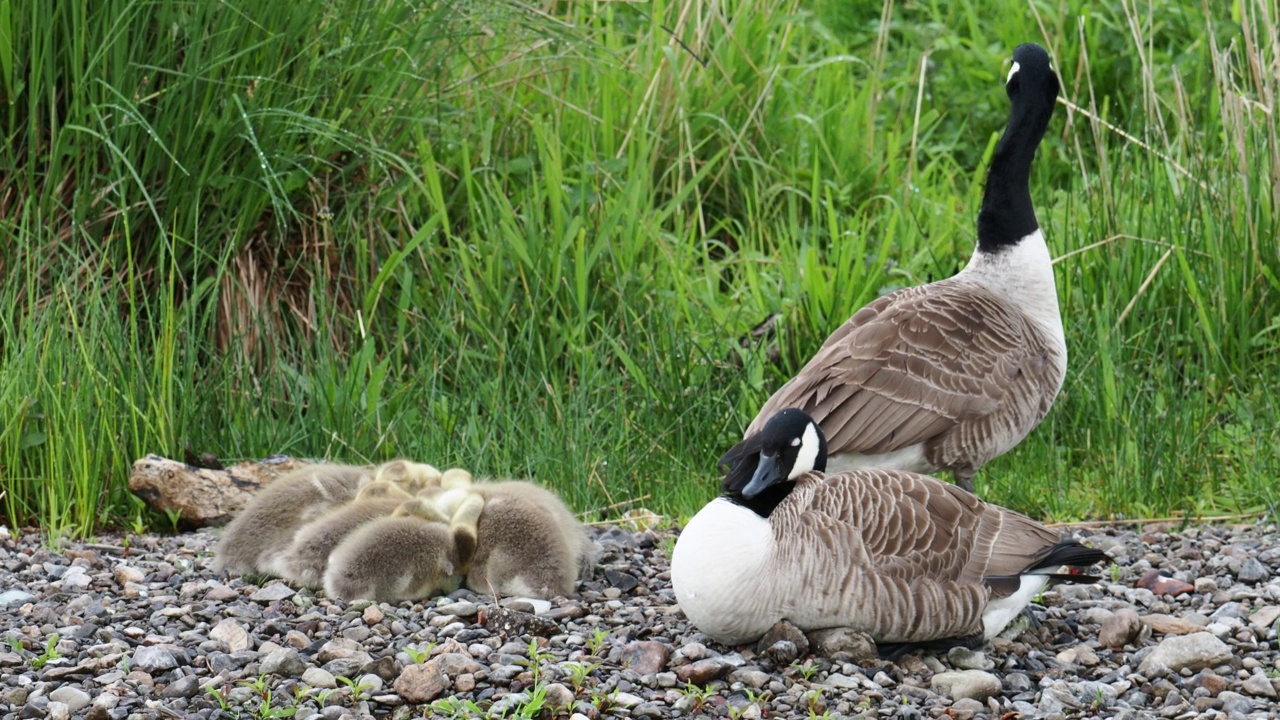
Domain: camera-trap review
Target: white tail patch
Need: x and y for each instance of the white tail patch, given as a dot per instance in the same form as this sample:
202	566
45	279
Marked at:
999	613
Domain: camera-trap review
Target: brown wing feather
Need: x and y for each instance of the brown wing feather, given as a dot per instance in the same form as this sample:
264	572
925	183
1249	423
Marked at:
917	552
913	526
914	366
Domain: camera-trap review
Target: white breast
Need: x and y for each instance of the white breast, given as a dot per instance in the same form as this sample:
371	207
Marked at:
717	572
1023	275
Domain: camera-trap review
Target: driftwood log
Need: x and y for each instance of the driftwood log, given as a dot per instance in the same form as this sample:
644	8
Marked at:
201	496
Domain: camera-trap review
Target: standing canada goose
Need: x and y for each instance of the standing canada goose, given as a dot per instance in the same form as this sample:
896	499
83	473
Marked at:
402	557
899	556
528	542
950	375
254	541
308	555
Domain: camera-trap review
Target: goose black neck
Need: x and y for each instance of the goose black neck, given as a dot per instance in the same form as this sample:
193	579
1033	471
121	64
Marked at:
1007	214
764	503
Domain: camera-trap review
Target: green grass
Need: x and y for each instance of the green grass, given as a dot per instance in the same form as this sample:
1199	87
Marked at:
527	240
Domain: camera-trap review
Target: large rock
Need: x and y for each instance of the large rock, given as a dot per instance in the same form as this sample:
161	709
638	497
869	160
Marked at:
1195	651
202	496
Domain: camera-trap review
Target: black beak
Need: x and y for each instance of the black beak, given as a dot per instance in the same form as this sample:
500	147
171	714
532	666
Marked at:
766	474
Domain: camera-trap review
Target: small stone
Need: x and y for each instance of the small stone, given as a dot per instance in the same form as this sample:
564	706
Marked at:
232	635
558	696
371	683
15	597
956	684
372	615
1167	625
1194	651
1212	682
284	662
840	681
1235	705
843	645
536	606
1258	685
338	648
1163	585
626	700
58	711
455	664
461	608
221	593
465	682
648	710
505	621
1265	617
125	574
966	708
1120	629
750	677
624	581
154	659
319	678
1252	571
273	592
73	697
421	683
704	671
187	686
966	659
386	667
645	657
783	643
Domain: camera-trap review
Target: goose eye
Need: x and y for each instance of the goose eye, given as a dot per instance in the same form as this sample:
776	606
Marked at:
795	442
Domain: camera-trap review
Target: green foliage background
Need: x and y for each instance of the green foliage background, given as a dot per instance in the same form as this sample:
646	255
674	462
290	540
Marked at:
533	239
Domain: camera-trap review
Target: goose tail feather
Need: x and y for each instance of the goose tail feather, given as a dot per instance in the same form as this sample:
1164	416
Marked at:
1067	552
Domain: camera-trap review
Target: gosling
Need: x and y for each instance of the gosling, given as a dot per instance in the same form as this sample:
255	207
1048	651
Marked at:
256	539
402	557
411	476
528	543
308	556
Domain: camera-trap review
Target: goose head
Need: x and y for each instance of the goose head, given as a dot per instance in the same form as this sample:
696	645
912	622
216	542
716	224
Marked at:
764	466
1032	87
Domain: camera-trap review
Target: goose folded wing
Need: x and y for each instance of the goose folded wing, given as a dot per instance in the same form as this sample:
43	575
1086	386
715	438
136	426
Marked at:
907	369
889	523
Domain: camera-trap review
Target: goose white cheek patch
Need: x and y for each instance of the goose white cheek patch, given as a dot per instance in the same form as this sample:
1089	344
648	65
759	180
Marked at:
808	454
1012	71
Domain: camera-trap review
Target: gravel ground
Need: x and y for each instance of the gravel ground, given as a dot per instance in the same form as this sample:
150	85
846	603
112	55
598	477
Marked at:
145	629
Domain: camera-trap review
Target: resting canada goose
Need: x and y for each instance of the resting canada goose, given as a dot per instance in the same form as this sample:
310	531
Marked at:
308	555
528	543
403	557
256	538
899	556
409	475
950	375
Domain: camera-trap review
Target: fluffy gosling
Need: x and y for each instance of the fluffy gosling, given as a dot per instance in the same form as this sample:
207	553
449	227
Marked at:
308	555
527	543
256	539
403	557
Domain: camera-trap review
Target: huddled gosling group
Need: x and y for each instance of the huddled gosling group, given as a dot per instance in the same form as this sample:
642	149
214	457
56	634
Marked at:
407	531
